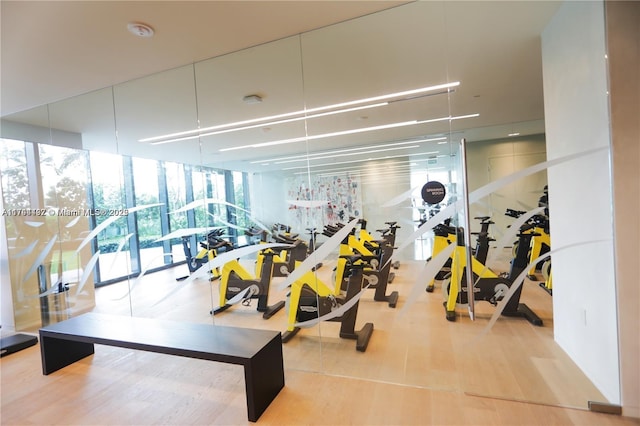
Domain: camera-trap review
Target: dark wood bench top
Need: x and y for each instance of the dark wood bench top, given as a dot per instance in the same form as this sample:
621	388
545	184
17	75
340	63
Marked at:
258	351
205	341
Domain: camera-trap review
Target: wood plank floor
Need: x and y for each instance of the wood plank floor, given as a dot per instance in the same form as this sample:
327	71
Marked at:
418	369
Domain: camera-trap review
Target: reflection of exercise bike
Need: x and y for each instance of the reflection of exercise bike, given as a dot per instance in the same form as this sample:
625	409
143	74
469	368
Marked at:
374	253
255	235
238	286
540	241
310	299
388	237
547	285
482	239
488	286
445	235
285	260
209	249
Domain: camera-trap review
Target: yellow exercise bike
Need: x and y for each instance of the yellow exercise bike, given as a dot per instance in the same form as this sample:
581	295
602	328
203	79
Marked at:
310	300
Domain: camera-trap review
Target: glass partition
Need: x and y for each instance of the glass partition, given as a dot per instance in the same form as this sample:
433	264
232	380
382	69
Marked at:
177	194
518	347
368	163
251	108
154	175
107	188
318	185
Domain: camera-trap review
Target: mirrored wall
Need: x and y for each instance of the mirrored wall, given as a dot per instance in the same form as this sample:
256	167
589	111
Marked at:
332	185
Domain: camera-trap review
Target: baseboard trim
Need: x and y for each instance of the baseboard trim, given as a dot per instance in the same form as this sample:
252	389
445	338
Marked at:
603	407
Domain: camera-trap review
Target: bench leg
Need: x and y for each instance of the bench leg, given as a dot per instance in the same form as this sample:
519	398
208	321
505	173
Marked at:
264	378
58	353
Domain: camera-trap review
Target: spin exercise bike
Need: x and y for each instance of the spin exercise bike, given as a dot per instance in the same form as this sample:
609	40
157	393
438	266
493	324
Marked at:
310	299
284	260
238	286
488	286
540	241
375	278
444	234
209	249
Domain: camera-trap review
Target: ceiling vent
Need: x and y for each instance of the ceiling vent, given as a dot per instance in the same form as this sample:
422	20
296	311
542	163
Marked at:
252	99
139	29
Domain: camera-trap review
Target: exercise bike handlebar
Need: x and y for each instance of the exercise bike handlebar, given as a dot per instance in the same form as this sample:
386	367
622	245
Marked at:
514	213
356	261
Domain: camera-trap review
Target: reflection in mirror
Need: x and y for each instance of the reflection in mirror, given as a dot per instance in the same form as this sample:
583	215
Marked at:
107	179
285	187
55	275
157	183
254	96
367	163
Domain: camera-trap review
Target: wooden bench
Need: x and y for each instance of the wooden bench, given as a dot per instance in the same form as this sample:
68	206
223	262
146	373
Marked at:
259	351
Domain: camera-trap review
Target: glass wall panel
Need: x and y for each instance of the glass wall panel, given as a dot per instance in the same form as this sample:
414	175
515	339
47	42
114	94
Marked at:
108	193
55	267
15	179
86	123
149	228
252	112
177	196
146	109
518	347
22	233
369	161
319	185
65	178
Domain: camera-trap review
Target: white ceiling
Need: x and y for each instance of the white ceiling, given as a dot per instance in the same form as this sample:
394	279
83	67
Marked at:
52	51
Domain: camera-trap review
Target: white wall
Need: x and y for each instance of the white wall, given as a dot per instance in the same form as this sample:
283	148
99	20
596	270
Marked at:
26	132
380	185
580	197
268	202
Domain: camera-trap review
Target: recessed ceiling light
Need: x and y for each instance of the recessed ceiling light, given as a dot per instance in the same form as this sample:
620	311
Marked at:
139	29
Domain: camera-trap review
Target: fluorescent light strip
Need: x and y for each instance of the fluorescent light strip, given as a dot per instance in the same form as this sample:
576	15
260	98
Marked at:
343	169
353	172
322	136
386	171
269	124
349	154
200	135
345	162
347	132
459	117
384	176
363	169
338	170
338	151
300	112
356	161
357	170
